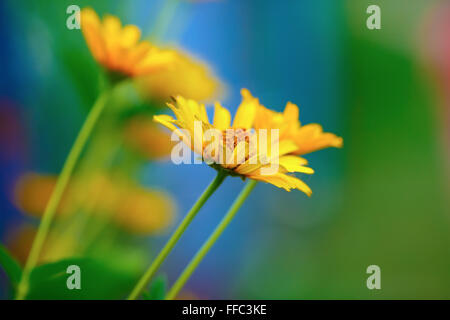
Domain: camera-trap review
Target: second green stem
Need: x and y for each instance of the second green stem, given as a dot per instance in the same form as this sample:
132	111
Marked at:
176	236
201	253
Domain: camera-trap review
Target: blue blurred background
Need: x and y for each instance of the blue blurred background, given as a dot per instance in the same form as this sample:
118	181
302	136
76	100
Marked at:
383	199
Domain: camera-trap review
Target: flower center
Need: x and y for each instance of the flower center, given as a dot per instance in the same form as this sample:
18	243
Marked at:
232	137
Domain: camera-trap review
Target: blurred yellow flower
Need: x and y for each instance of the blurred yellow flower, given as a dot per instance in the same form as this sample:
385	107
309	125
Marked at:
132	207
145	137
308	138
32	191
188	77
144	211
236	142
56	247
118	48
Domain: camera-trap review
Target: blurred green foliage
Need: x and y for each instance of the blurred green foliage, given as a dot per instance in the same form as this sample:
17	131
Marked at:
10	266
394	212
99	280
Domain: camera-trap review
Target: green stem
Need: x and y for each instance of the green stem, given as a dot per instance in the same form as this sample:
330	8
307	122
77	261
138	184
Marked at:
176	236
164	18
193	264
58	191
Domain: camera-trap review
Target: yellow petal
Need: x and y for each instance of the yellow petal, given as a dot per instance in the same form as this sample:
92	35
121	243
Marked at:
111	25
246	112
284	181
290	118
155	59
137	53
295	164
130	36
311	137
111	35
291	111
90	26
200	110
168	122
222	117
286	147
299	184
247	168
265	118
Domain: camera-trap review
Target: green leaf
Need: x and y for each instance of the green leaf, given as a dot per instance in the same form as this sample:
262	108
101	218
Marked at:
10	266
146	296
157	289
100	279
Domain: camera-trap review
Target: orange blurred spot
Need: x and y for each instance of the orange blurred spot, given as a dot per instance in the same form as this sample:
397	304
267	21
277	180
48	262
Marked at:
144	136
144	211
32	191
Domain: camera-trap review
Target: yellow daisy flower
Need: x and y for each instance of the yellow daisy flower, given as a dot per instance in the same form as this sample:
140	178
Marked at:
188	77
242	148
118	48
238	149
308	138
